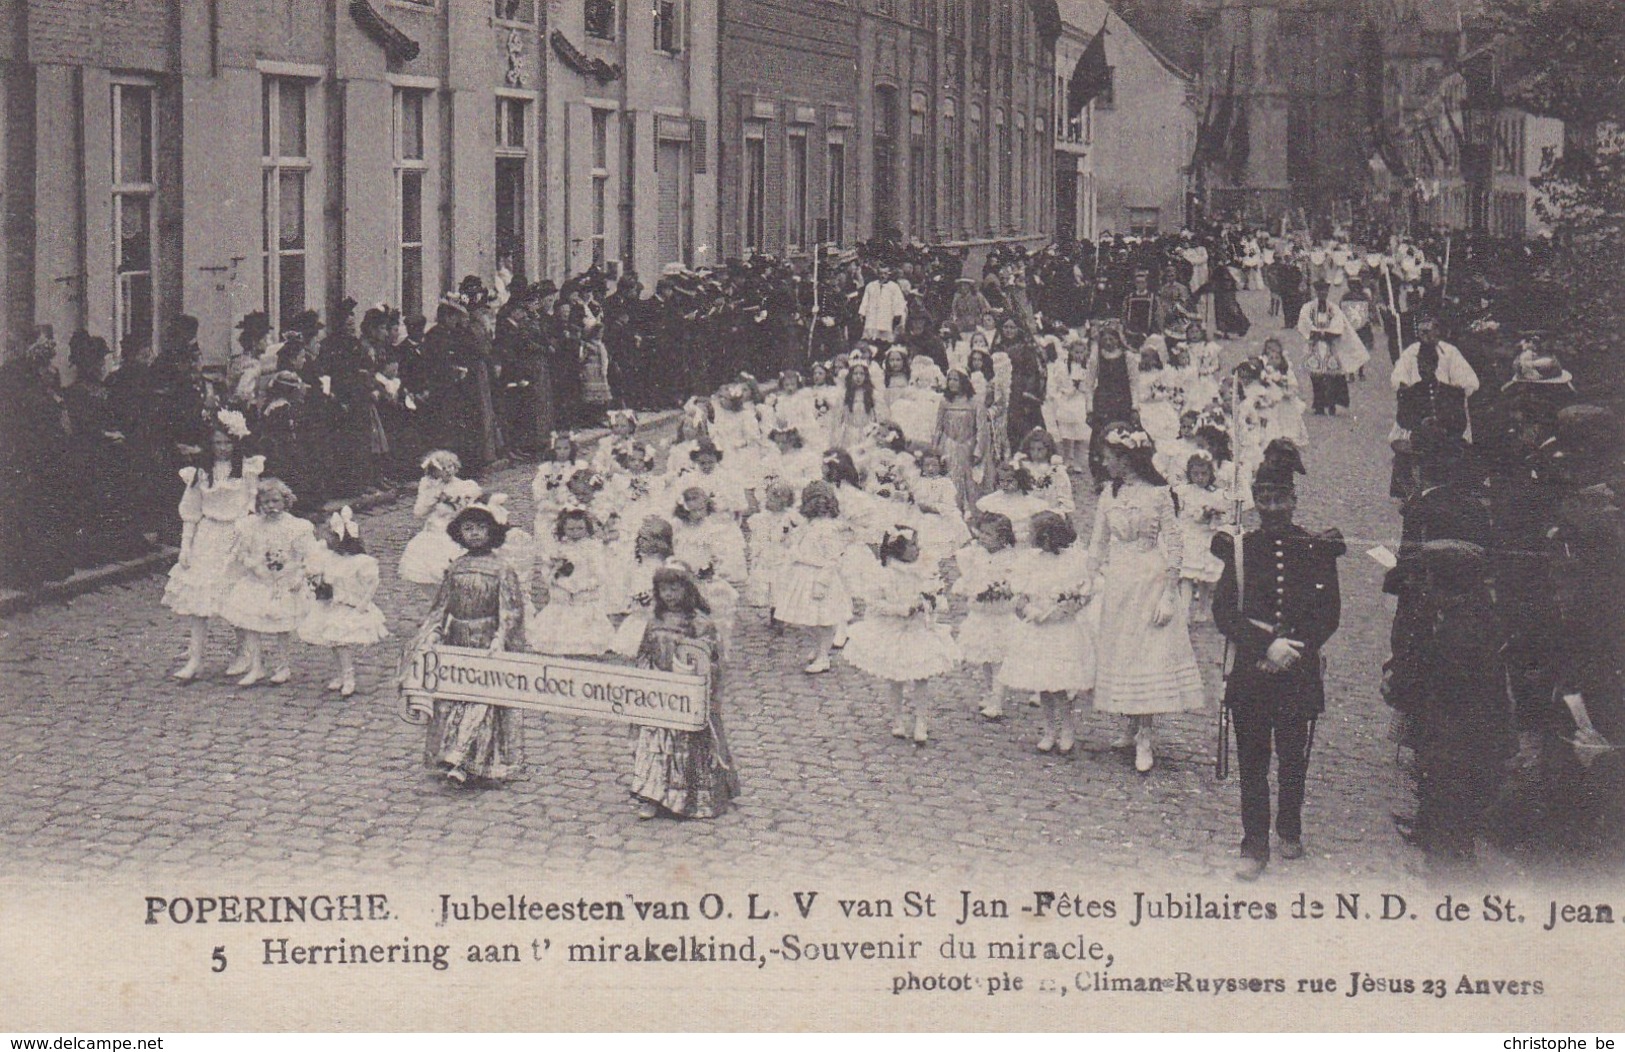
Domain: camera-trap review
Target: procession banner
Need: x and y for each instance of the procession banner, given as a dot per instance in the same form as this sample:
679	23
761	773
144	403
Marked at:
647	697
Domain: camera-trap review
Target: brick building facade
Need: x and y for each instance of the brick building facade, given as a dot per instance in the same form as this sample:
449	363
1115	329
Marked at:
213	158
841	119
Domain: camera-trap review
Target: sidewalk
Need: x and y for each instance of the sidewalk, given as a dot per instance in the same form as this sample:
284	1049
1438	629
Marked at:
83	582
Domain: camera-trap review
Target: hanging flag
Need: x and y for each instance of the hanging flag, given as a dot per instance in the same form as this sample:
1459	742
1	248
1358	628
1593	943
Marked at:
1090	76
1240	143
1213	149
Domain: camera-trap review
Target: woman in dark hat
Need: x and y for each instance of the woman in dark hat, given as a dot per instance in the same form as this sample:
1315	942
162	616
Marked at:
480	605
99	469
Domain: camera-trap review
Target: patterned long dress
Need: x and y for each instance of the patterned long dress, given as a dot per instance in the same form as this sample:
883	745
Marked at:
958	436
689	774
480	605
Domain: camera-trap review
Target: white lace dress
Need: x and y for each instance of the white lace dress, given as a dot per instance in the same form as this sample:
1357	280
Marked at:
1141	668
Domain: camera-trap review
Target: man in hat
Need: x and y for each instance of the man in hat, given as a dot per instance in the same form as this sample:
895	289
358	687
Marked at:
1276	605
1450	682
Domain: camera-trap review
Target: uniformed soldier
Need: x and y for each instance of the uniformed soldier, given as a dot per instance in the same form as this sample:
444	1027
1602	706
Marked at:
1288	608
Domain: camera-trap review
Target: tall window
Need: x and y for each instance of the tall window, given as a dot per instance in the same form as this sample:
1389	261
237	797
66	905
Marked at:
755	188
952	188
285	167
1023	172
1004	171
134	187
795	190
668	16
512	182
598	18
981	23
600	184
953	18
835	187
885	163
410	166
974	150
919	169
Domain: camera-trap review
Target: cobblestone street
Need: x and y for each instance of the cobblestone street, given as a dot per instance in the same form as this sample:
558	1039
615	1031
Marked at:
112	768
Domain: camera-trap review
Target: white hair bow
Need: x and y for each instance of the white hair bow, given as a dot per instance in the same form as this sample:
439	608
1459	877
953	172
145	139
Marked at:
497	505
343	524
235	423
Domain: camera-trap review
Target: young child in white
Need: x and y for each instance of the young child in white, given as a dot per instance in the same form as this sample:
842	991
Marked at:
267	600
936	505
1201	509
1051	650
898	639
814	593
985	580
651	549
623	427
571	617
219	494
441	495
710	543
768	541
706	471
550	488
1013	498
341	614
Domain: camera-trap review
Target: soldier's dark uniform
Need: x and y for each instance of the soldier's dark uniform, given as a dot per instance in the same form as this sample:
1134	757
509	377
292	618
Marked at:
1291	588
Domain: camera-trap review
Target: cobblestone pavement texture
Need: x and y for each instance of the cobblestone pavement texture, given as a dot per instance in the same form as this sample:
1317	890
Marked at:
111	769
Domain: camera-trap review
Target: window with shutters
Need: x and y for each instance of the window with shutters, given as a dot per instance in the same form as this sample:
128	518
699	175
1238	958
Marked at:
885	159
600	185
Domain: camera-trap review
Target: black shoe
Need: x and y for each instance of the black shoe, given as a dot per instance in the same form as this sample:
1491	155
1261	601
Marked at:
1291	849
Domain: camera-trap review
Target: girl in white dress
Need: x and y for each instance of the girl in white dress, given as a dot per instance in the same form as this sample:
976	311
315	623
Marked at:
267	598
736	430
791	460
707	471
794	405
709	541
616	446
342	615
814	593
899	639
1013	498
548	488
1051	482
571	616
936	508
1145	663
1050	649
217	496
984	579
441	495
914	409
1202	509
651	549
768	543
1066	405
857	410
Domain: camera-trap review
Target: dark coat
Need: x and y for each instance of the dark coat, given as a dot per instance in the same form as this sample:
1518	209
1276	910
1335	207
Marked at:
1291	586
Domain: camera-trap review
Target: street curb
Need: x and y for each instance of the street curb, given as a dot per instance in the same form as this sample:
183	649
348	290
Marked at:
13	602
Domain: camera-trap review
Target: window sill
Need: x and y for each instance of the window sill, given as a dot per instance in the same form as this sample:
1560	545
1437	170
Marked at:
511	23
663	53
